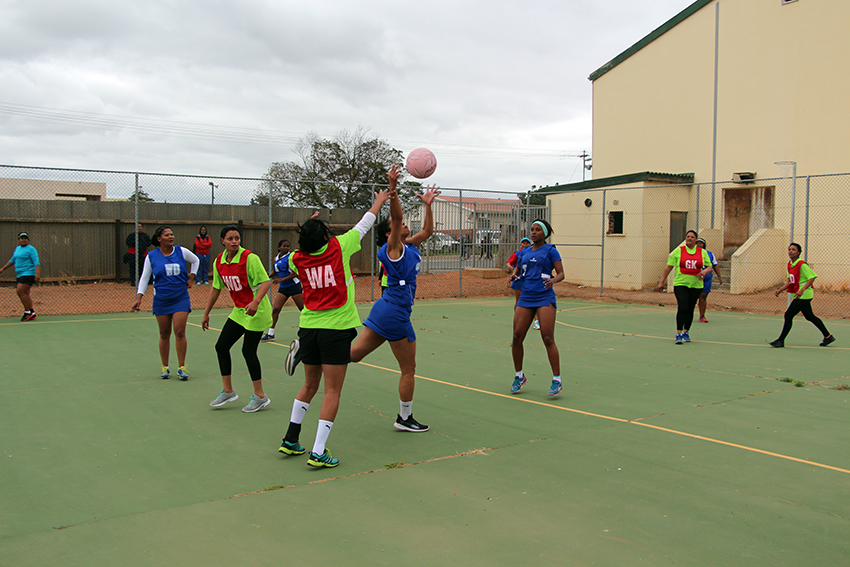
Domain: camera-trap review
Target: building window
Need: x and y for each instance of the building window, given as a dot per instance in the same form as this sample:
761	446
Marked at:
615	222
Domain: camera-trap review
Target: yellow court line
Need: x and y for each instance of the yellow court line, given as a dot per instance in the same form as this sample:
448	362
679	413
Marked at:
621	420
622	333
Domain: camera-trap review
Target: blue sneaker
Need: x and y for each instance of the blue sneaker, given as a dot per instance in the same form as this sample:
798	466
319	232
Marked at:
519	382
267	337
686	337
165	373
679	338
182	373
556	388
323	460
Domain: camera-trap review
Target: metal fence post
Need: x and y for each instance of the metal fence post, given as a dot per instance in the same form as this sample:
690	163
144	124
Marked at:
602	255
806	236
136	232
460	224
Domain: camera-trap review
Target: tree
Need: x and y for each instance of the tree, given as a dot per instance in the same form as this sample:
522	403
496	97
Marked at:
143	196
344	172
534	197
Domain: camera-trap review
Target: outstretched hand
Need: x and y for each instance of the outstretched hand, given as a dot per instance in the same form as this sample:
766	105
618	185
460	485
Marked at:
431	193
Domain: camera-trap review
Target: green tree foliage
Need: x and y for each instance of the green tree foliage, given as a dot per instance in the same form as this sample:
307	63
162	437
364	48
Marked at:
344	172
143	196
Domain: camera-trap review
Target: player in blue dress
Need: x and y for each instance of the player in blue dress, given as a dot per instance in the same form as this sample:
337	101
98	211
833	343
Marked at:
290	286
389	319
171	304
534	269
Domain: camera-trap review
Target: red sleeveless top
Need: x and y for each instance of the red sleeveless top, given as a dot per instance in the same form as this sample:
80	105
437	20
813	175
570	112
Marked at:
322	277
794	276
235	278
690	264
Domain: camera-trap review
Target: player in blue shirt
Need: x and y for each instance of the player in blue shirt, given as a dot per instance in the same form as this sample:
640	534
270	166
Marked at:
290	286
27	272
535	267
389	319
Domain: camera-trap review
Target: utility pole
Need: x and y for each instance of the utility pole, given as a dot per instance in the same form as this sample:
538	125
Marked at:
586	163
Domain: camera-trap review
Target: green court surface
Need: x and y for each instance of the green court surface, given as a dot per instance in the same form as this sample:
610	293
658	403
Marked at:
723	451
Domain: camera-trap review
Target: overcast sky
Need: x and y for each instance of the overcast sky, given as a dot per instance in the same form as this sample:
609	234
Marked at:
497	89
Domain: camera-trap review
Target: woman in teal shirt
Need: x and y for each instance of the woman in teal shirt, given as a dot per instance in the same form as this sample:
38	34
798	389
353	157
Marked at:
800	280
692	264
27	272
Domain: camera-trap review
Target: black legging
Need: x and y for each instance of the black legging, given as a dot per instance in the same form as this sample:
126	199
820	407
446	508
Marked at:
803	306
228	337
687	298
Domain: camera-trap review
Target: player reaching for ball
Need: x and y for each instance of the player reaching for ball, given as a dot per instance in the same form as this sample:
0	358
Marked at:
537	296
327	324
389	319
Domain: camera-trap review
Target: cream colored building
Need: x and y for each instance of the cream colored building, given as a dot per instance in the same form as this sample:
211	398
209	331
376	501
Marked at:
46	190
721	92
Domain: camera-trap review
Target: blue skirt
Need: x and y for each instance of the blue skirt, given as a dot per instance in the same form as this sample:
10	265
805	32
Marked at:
537	299
172	305
391	321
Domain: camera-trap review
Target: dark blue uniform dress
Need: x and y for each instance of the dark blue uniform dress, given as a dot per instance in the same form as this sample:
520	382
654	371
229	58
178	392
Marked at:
536	268
390	316
170	294
281	268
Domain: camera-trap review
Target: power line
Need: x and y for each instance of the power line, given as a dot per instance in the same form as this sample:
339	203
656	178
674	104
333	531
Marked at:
98	121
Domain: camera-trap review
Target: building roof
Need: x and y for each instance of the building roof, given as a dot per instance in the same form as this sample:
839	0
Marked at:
652	36
492	204
641	177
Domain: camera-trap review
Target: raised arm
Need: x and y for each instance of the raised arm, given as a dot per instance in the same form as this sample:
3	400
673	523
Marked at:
432	191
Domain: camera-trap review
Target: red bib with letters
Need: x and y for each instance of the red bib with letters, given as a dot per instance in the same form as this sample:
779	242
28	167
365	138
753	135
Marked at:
322	277
235	278
690	264
794	276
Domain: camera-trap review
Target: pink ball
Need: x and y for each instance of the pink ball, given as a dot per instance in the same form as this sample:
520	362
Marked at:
421	163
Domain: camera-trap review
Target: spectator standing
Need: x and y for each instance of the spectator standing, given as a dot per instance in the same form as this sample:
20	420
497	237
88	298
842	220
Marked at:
135	258
27	273
202	250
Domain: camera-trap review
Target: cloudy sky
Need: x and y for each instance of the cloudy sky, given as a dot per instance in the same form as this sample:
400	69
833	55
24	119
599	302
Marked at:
497	89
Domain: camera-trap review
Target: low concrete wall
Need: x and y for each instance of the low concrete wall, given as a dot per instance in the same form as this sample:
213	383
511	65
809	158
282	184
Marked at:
760	262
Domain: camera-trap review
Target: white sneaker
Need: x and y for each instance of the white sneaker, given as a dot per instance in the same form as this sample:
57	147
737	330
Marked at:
536	325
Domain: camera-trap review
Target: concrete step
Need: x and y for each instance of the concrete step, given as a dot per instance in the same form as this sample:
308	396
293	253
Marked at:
725	269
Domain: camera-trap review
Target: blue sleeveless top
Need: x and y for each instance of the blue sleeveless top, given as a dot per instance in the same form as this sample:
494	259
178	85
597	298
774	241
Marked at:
169	273
401	275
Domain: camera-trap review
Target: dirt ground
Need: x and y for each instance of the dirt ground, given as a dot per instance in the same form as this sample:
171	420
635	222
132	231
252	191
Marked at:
116	297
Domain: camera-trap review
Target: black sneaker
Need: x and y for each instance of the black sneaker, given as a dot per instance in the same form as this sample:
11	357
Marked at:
292	359
25	316
409	424
778	343
828	341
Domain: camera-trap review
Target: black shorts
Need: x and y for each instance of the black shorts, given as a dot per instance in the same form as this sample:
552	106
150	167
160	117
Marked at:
26	280
325	346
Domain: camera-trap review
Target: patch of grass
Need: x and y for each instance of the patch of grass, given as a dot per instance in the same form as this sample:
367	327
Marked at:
273	488
843	387
397	465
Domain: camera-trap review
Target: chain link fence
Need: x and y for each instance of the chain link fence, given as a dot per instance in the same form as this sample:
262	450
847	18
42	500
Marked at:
83	224
615	241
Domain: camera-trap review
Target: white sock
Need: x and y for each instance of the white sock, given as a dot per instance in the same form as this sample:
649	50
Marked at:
322	436
299	410
270	332
556	378
519	374
406	409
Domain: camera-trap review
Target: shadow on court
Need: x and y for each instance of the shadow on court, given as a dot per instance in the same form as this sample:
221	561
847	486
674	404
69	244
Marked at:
718	452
